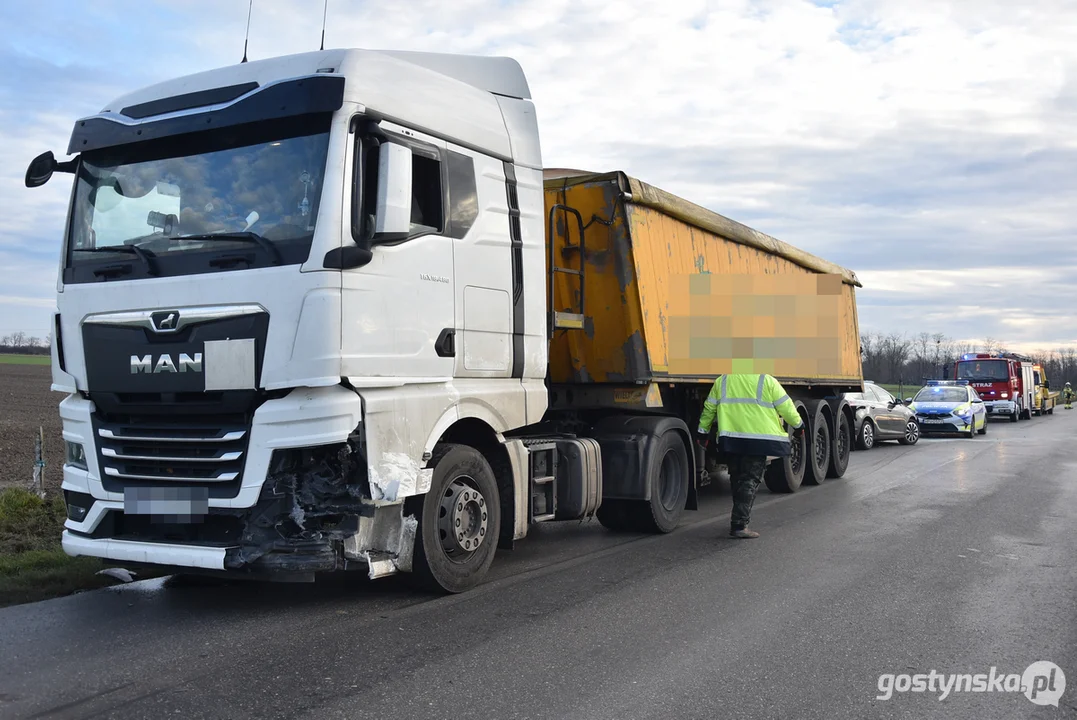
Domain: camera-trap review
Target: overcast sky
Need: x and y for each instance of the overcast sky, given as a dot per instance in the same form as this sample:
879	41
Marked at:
927	145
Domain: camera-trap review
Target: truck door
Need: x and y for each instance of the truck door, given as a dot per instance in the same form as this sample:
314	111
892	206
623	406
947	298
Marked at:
483	246
397	316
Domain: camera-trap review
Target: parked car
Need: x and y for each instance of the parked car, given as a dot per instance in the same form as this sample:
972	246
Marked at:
950	406
880	416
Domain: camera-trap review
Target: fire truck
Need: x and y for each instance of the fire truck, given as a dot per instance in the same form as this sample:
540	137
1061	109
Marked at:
1004	380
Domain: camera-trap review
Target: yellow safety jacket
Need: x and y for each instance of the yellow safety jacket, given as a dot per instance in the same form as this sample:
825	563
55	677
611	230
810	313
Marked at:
745	405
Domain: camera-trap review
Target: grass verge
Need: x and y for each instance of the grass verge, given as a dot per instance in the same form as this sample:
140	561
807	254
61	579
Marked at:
11	359
909	390
33	565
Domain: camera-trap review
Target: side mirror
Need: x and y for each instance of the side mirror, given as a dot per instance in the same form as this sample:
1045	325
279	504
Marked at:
1046	385
41	169
393	214
908	401
978	400
251	219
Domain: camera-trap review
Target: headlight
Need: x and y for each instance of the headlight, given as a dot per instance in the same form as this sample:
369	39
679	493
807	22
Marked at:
76	456
1005	395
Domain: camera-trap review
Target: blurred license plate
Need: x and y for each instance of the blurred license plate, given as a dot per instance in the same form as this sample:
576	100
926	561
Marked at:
168	504
932	420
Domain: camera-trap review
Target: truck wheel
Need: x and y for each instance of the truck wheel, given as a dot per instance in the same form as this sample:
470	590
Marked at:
459	524
668	478
818	446
865	439
843	445
785	475
617	515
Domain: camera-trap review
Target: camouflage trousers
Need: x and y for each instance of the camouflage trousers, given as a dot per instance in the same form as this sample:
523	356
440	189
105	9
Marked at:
745	474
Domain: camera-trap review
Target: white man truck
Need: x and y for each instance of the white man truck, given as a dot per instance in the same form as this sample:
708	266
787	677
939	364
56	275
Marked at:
324	312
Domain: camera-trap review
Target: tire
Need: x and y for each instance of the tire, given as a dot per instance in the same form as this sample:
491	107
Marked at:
441	562
668	477
912	433
865	439
983	430
1014	414
786	474
842	447
972	429
819	446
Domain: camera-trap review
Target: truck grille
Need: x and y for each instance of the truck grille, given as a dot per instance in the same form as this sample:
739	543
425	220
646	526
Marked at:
161	450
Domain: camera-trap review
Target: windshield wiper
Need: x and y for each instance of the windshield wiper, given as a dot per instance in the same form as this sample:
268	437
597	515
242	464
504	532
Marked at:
142	254
249	237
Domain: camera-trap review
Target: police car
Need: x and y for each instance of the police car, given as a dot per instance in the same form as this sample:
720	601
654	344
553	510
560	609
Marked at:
949	406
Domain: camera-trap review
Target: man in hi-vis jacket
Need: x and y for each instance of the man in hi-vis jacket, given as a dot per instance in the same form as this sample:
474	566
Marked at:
747	407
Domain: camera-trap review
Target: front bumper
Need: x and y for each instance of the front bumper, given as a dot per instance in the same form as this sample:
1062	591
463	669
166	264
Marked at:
1000	407
944	424
206	558
293	439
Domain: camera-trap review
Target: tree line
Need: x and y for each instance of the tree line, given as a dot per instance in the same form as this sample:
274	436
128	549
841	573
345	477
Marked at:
898	358
20	343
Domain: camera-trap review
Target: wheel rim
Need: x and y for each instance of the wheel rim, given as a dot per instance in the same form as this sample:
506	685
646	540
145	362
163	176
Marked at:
462	519
821	441
869	435
912	432
669	476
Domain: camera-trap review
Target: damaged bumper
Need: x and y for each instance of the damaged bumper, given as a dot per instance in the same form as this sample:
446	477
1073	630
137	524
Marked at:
304	506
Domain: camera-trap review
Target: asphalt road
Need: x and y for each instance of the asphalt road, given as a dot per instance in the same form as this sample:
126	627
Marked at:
953	555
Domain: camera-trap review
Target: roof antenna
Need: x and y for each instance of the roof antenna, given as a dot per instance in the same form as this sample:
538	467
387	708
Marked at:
325	10
248	33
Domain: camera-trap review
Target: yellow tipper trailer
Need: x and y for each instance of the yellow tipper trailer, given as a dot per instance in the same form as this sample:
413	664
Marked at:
653	296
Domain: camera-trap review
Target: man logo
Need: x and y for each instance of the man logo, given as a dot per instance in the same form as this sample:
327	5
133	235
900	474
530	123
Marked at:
165	364
165	321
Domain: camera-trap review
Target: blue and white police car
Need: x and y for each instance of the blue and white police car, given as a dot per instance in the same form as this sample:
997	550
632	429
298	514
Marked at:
949	406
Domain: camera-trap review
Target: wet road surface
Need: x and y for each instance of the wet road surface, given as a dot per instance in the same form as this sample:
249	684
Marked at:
954	555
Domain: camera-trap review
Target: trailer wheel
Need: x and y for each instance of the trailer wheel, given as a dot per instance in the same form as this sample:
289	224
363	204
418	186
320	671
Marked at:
459	523
818	457
785	475
843	445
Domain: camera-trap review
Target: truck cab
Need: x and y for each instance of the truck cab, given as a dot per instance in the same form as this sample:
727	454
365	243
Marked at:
282	283
1004	380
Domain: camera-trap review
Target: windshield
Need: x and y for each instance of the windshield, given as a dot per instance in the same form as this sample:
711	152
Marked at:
942	394
263	180
989	370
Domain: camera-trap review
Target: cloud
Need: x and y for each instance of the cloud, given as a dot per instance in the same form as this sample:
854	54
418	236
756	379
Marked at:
926	145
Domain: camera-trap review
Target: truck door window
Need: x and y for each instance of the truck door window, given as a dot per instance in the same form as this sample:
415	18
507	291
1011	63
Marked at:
463	195
427	189
426	195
